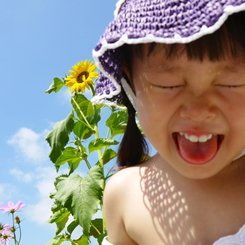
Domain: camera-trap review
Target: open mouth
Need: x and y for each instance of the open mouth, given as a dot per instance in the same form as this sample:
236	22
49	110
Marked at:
197	150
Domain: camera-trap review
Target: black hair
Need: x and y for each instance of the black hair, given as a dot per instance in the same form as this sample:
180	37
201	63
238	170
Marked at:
133	148
228	40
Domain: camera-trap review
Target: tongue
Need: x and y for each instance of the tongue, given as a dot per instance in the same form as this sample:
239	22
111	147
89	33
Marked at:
197	152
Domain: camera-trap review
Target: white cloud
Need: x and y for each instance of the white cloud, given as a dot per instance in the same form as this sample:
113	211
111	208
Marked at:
33	148
30	145
65	96
41	211
7	192
21	176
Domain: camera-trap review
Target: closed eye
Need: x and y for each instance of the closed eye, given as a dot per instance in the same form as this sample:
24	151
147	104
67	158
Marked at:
231	86
169	87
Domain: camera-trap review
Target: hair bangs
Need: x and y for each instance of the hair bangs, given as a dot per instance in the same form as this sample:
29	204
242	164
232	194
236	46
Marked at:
229	41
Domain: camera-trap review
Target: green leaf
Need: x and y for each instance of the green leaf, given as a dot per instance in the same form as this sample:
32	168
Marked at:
109	155
117	122
96	228
59	137
95	118
100	238
56	240
72	226
83	240
76	155
73	166
81	196
82	131
60	218
71	155
82	104
99	143
55	86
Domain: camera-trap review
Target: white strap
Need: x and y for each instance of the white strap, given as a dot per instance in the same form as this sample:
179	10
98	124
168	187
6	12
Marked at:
240	155
105	241
129	92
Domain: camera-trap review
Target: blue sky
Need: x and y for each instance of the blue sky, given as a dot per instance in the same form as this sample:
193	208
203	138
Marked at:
40	40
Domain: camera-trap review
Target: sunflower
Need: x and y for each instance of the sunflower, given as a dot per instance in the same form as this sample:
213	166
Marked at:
81	77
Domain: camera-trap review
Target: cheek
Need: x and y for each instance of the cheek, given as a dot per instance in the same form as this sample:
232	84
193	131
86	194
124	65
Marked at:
152	108
144	97
155	125
233	109
152	116
147	98
145	115
146	105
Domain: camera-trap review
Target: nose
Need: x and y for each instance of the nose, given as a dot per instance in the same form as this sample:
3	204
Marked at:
198	109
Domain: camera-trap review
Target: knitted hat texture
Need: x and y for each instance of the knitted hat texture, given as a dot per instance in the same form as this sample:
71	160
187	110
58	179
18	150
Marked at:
162	21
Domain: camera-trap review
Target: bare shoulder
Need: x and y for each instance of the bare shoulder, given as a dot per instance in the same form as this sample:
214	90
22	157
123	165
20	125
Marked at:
125	180
116	196
125	174
119	184
122	181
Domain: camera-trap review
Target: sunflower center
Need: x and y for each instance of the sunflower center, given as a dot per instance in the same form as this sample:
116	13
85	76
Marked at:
81	75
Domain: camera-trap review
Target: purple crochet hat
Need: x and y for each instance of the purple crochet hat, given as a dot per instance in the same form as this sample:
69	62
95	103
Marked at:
162	21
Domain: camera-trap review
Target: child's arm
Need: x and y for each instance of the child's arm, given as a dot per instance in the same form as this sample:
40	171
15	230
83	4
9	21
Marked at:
114	211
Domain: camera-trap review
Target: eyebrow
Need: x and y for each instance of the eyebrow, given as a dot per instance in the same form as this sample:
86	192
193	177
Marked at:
234	67
165	68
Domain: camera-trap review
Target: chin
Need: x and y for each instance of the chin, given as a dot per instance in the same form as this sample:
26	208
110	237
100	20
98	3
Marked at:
198	172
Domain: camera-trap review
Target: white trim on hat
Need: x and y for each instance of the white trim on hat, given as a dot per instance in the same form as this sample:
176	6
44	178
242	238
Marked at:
118	7
151	38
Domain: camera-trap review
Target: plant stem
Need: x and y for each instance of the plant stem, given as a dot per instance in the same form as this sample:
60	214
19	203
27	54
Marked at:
92	89
95	228
79	120
87	163
97	136
108	136
15	241
100	157
85	119
20	233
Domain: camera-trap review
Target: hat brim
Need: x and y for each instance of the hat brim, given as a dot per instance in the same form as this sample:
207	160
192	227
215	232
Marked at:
163	26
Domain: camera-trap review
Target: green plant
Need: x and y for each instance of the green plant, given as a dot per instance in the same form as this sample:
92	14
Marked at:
80	139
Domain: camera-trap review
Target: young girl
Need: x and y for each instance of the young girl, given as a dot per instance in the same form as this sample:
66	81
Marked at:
181	66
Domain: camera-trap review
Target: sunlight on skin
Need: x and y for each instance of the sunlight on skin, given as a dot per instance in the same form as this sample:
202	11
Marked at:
167	206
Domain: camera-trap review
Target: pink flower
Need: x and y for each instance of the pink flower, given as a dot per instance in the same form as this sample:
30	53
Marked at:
5	237
11	208
4	228
5	234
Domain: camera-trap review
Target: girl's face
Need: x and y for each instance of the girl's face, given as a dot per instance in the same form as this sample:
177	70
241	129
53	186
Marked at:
193	112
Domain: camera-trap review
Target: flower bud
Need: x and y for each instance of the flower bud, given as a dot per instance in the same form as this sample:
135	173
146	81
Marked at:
17	220
12	229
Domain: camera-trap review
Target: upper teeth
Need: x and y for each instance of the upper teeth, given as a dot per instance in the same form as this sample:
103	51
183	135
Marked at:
194	138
